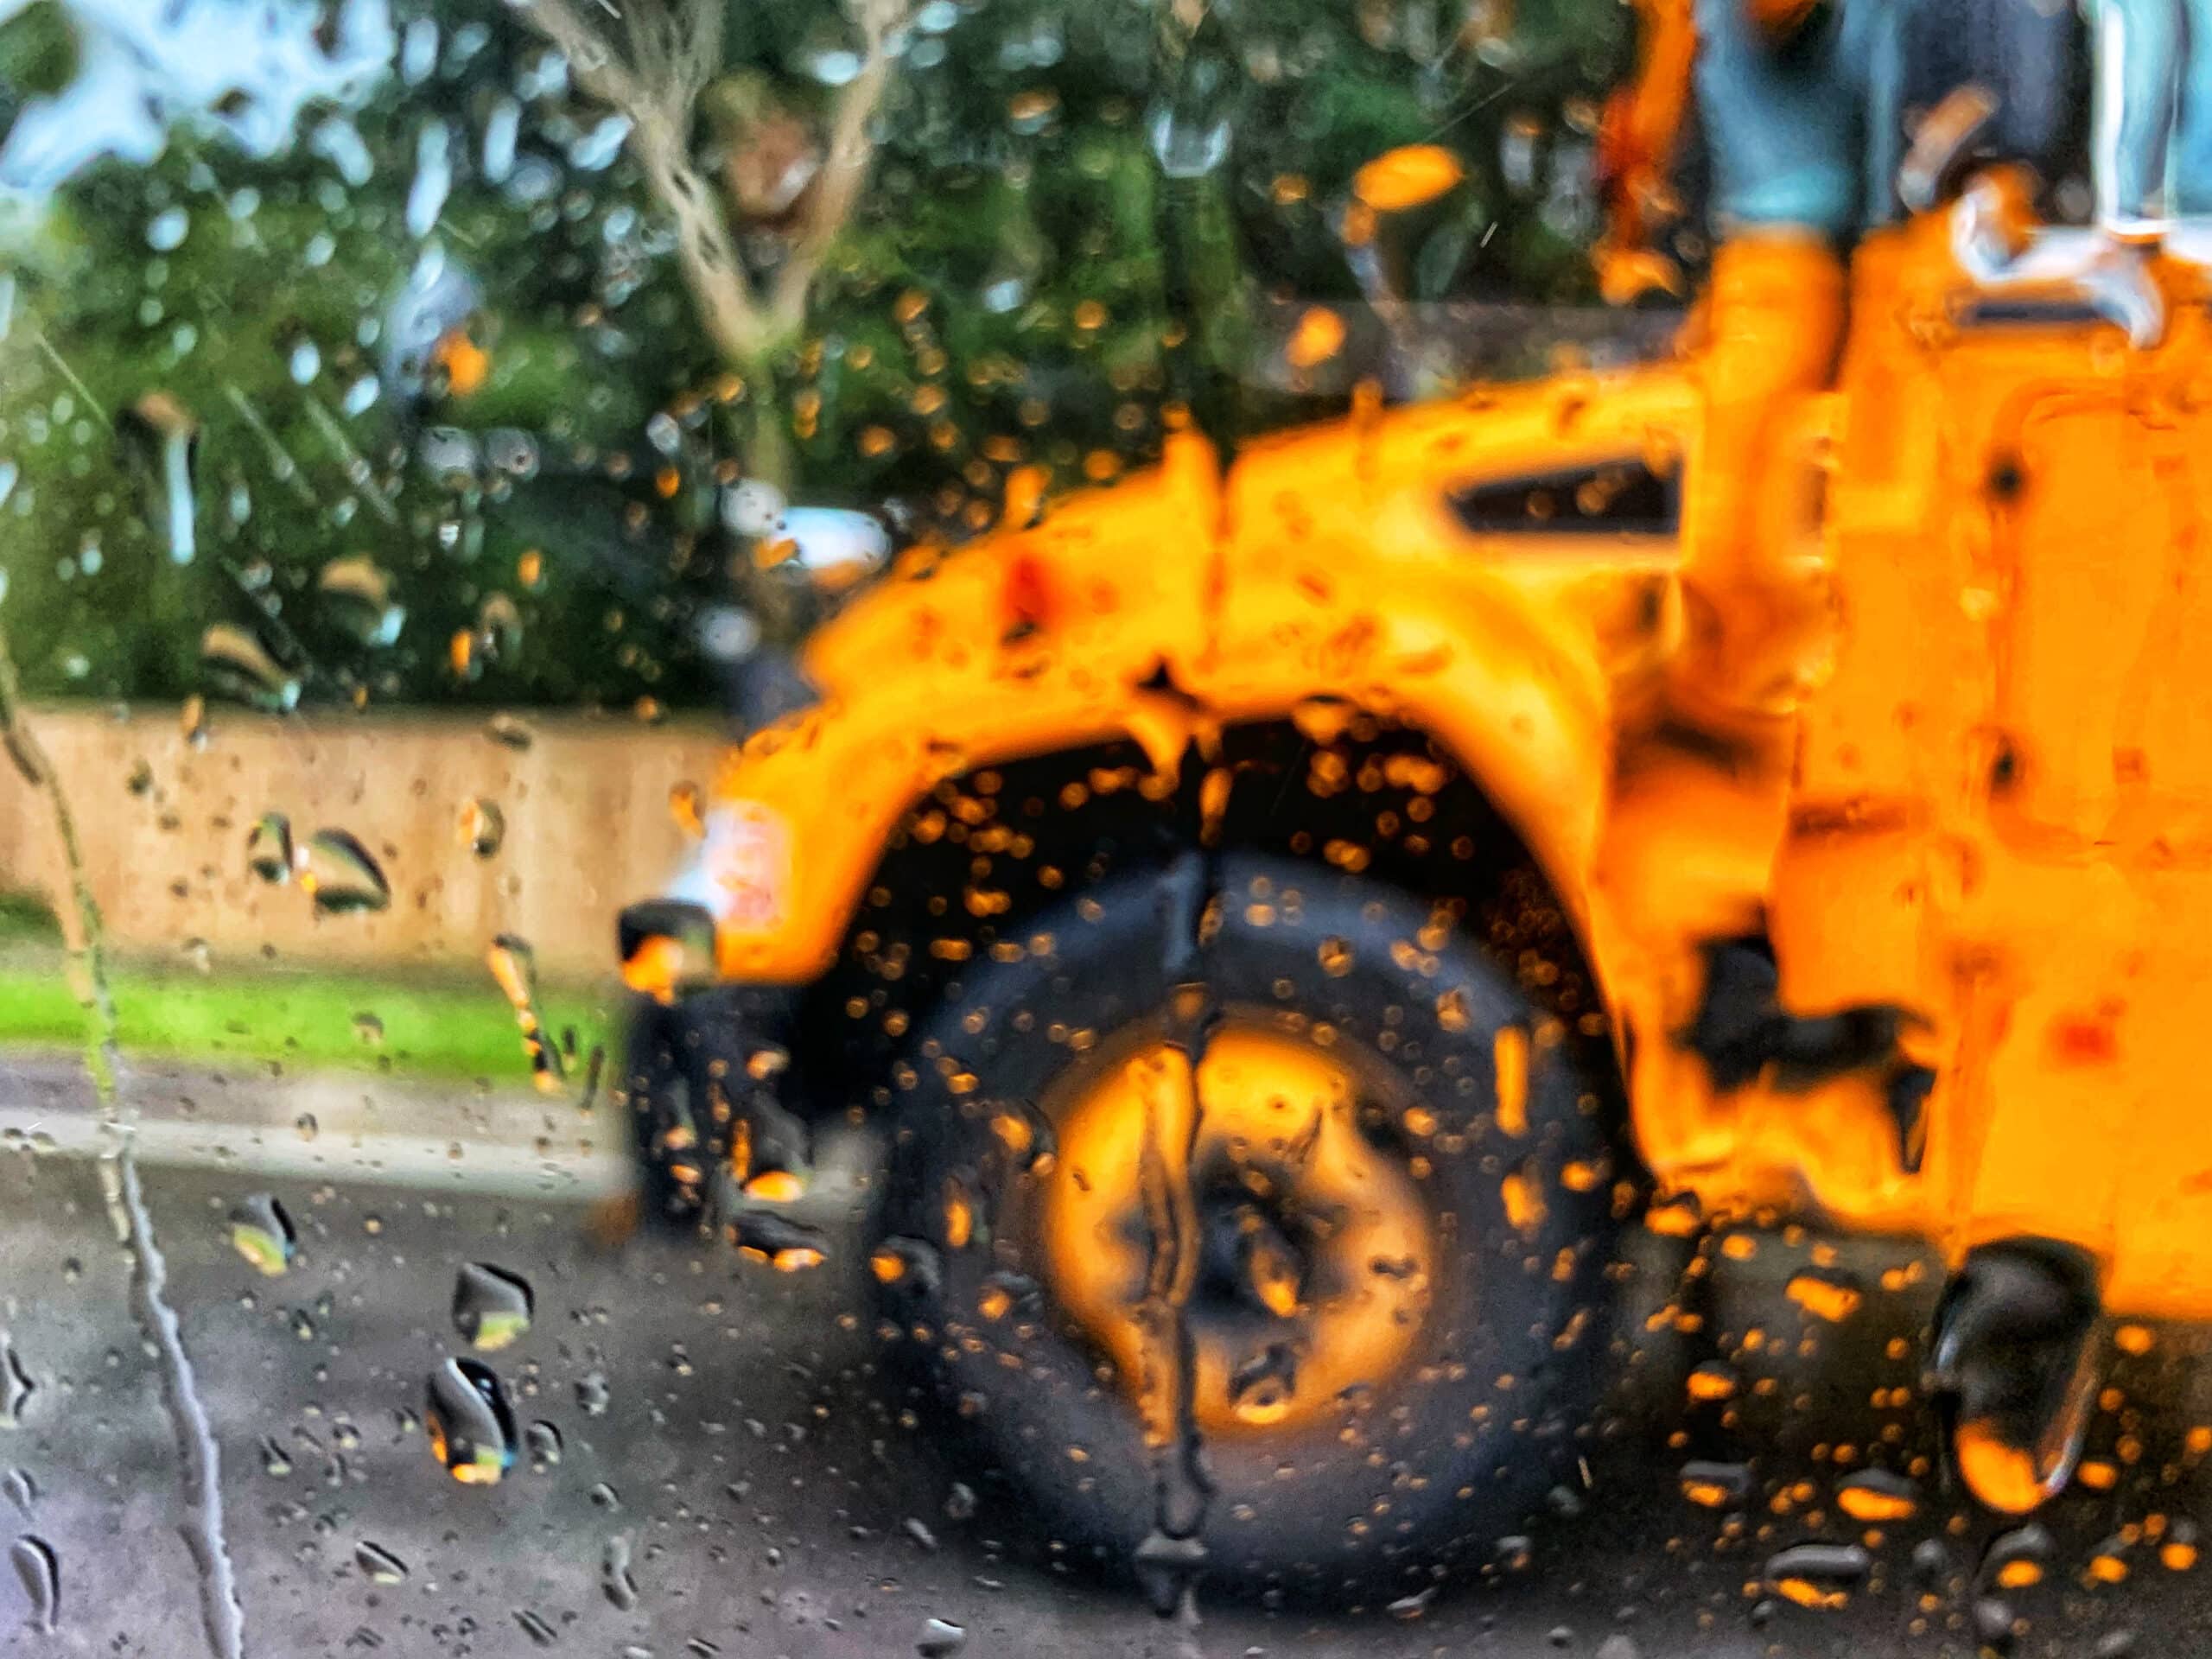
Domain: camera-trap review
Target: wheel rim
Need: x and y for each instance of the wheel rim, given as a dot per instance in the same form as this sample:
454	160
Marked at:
1316	1249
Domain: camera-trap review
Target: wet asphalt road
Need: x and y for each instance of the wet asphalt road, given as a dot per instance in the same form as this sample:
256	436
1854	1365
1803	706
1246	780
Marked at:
769	1503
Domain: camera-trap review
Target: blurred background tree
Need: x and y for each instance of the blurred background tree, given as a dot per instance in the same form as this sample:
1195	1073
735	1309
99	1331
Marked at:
437	401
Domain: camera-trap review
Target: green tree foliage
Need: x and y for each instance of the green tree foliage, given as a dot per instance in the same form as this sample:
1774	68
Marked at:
1075	220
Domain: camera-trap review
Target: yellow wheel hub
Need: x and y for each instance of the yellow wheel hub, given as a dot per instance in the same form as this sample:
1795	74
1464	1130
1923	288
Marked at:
1307	1248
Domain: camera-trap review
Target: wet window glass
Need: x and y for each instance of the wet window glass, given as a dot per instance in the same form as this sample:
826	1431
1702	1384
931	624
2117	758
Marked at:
877	827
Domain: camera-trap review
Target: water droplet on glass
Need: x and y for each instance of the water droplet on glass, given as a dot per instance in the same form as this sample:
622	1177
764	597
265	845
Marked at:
483	827
499	627
941	1638
261	1232
369	1029
491	1306
418	51
514	965
604	1497
238	666
1877	1498
16	1385
509	732
501	128
1167	1568
593	1394
426	195
276	1462
269	849
597	148
2016	1559
307	1126
192	722
379	1564
543	1441
510	452
1190	130
159	441
614	1576
40	1570
337	872
1818	1575
358	594
303	362
20	1488
540	1633
1716	1485
472	1429
165	231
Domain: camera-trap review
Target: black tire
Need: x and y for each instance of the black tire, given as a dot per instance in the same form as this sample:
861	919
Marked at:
1437	1462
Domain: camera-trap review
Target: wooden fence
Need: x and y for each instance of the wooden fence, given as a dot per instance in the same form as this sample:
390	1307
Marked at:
165	825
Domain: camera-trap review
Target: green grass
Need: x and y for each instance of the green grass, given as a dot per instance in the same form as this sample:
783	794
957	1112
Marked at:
459	1027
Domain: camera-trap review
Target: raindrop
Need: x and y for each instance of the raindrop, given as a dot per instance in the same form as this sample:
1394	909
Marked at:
512	452
472	1429
1877	1498
338	143
16	1385
358	593
1165	1568
426	196
543	1441
368	1028
501	128
379	1564
20	1488
828	60
159	439
418	51
514	965
960	1502
276	1462
1189	132
491	1306
941	1638
499	627
261	1232
41	1572
540	1633
307	1126
592	1393
483	827
165	231
596	149
604	1497
1413	1606
509	732
2016	1559
614	1576
269	849
1818	1575
1716	1485
361	395
238	666
336	871
304	362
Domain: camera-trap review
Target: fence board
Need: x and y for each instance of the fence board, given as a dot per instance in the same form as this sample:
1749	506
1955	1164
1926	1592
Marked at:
164	828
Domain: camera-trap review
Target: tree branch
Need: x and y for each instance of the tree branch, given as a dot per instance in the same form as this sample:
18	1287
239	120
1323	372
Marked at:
658	90
844	165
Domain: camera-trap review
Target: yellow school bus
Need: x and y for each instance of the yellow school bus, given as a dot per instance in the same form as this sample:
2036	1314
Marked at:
1290	917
